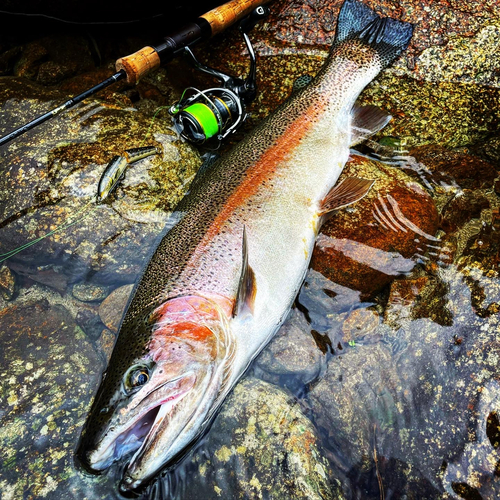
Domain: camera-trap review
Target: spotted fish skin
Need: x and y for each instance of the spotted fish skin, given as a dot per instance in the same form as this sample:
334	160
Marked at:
256	211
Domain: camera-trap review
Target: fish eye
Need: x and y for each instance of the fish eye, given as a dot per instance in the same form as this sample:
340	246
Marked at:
139	377
136	377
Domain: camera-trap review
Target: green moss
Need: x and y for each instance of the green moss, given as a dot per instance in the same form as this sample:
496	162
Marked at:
444	113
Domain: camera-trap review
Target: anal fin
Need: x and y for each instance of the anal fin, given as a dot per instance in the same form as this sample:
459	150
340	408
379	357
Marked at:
349	191
247	287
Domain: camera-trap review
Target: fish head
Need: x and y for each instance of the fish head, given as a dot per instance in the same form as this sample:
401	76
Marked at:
154	404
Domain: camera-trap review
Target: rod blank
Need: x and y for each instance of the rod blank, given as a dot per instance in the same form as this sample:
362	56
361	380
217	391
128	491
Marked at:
120	75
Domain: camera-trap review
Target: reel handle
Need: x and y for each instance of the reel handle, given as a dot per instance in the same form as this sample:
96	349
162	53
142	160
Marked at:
249	22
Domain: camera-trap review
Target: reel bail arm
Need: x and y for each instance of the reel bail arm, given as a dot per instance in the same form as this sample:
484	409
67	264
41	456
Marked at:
217	112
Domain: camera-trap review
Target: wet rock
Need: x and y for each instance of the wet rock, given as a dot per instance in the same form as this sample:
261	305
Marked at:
492	149
261	446
106	342
423	297
359	324
49	275
88	292
403	295
293	351
461	209
27	65
459	115
51	59
340	408
8	56
48	374
50	178
464	58
89	321
113	307
474	474
468	171
477	241
363	406
7	283
367	246
413	398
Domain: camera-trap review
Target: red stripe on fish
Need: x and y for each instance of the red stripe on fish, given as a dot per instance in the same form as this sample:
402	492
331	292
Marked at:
265	168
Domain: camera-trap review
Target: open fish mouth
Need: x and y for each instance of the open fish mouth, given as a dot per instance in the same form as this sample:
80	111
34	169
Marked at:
158	405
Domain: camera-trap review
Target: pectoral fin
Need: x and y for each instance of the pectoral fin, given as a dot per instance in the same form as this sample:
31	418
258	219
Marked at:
366	121
247	287
347	192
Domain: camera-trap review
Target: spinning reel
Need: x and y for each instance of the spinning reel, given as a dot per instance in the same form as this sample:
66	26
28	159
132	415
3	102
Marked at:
201	115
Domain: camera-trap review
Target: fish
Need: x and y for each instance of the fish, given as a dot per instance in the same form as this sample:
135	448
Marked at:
224	276
115	169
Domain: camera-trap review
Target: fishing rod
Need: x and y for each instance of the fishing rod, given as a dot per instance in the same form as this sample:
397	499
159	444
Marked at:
200	116
134	66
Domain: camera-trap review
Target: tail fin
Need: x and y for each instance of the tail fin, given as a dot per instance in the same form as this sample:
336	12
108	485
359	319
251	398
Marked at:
387	36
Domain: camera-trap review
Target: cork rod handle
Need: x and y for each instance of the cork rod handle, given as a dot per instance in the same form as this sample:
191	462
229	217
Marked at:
224	16
149	58
139	63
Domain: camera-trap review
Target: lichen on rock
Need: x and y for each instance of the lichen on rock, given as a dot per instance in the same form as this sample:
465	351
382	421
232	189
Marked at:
261	445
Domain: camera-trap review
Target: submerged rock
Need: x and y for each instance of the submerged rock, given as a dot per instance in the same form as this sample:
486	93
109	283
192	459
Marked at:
293	352
7	283
468	171
88	292
260	446
107	341
474	473
48	372
112	308
410	400
365	247
51	59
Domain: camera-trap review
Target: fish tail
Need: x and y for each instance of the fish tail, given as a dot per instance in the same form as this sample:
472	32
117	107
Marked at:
387	36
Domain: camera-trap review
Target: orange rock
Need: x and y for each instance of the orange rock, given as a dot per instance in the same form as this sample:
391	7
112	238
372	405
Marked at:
382	236
468	171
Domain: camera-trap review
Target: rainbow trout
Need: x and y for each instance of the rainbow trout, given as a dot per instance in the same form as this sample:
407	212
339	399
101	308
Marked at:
224	277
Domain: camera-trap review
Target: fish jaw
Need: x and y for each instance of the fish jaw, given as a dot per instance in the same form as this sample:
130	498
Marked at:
189	353
135	421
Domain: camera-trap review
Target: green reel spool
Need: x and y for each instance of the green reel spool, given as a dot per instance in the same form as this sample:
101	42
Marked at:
204	118
207	114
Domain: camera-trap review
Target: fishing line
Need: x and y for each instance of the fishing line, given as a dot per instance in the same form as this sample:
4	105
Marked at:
65	225
77	216
82	23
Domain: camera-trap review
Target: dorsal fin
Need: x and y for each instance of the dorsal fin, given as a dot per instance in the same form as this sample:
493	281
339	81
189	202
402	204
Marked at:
347	192
247	287
366	121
